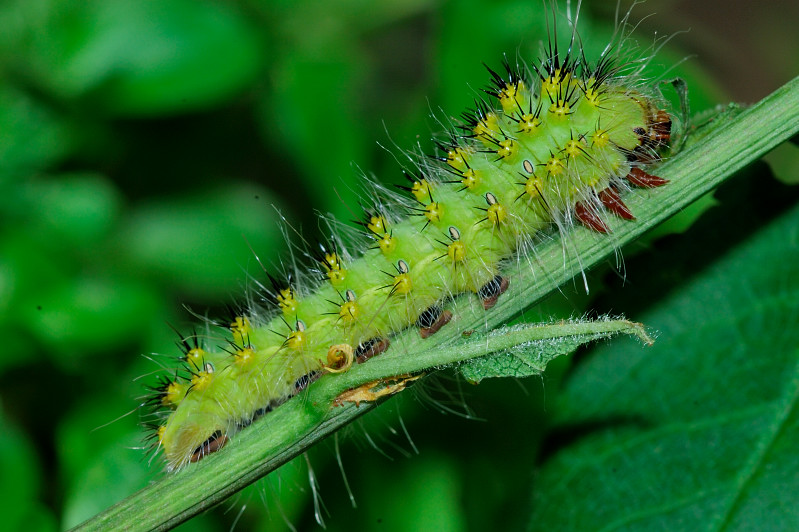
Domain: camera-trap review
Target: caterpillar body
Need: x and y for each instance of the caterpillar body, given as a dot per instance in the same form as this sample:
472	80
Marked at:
559	141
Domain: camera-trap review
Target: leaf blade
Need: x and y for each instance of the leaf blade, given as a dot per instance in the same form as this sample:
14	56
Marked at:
700	434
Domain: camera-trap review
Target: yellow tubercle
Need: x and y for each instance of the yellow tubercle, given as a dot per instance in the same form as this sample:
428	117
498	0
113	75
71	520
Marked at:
196	357
600	138
506	148
240	329
402	281
331	260
550	86
458	158
529	123
348	312
487	127
421	190
434	212
496	213
456	252
470	179
387	243
377	225
532	187
554	166
590	92
296	340
512	96
336	276
244	356
402	284
573	149
173	394
287	301
556	85
203	379
560	108
333	268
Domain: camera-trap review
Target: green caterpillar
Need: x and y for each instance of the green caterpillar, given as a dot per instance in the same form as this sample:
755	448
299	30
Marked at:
559	143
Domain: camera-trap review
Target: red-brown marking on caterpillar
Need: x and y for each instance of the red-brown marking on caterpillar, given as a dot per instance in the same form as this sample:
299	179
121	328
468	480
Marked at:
612	201
660	129
370	348
491	291
589	218
211	445
442	319
639	178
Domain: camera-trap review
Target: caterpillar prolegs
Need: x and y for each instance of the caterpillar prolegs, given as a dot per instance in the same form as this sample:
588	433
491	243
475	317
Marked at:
554	141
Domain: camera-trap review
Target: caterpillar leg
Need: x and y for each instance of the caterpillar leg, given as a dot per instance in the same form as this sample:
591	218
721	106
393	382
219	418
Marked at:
491	291
431	320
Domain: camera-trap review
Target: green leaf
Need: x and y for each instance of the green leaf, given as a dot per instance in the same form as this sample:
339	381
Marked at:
700	432
21	482
34	136
93	471
531	358
148	57
199	241
76	208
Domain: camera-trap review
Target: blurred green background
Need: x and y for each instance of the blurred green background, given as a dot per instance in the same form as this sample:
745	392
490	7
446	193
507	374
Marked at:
147	145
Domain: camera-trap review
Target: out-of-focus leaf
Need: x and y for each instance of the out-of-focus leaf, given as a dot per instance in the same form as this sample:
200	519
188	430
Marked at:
20	482
74	209
145	57
31	135
93	312
425	494
99	458
429	486
27	271
202	242
324	152
700	432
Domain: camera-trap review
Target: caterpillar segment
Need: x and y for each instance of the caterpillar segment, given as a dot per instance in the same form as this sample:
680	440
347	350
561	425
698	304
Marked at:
561	146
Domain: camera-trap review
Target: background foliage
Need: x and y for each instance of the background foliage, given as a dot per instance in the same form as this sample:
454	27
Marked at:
142	145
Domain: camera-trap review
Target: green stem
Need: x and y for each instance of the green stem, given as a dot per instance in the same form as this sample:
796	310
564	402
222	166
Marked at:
711	155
